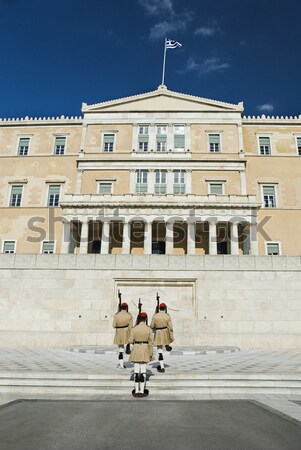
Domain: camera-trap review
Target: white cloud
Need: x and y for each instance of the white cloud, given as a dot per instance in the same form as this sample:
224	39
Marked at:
177	24
205	31
266	107
209	65
154	7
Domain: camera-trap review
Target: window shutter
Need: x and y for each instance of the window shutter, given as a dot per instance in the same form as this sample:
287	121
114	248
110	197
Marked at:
179	141
60	141
214	138
105	188
54	190
108	138
264	141
24	142
48	246
216	188
273	249
9	246
16	190
143	138
268	190
299	141
161	138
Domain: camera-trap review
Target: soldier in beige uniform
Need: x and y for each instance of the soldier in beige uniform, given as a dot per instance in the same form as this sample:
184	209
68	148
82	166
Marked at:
142	353
162	325
123	323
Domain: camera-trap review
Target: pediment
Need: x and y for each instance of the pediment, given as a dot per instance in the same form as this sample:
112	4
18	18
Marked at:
162	99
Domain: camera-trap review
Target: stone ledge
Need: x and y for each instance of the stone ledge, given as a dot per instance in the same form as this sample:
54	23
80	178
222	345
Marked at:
177	351
28	261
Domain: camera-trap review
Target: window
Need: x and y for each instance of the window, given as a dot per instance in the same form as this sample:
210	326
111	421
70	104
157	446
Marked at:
161	138
214	142
269	196
48	247
23	146
143	138
179	138
216	188
179	182
59	145
9	246
108	142
264	145
143	129
105	188
141	186
160	181
54	195
273	248
299	145
16	196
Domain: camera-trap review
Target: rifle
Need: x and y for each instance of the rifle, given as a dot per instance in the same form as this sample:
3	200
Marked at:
158	303
139	312
119	298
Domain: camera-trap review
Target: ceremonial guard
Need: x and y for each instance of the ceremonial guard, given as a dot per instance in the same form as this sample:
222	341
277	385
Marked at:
162	325
142	353
123	323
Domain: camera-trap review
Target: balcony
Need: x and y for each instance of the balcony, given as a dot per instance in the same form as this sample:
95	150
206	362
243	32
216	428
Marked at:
160	200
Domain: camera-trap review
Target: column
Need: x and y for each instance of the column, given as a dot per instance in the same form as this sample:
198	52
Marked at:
240	138
169	181
105	238
188	181
148	226
170	143
135	137
169	238
65	237
83	249
126	240
253	239
132	181
79	177
243	182
234	238
190	238
152	138
212	238
187	136
151	181
83	138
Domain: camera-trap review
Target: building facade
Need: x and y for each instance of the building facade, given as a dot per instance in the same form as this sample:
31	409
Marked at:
157	173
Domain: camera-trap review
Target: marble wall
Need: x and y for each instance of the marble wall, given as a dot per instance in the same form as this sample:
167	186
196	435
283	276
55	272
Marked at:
62	300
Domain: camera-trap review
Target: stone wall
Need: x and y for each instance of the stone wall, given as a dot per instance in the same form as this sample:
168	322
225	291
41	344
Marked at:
61	300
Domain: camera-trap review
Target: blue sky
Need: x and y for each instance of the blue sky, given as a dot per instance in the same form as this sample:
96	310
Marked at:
56	54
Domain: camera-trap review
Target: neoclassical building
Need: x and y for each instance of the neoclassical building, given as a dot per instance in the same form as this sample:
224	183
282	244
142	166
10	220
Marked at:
156	173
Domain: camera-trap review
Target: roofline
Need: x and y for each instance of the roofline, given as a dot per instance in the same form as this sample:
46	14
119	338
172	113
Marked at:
161	90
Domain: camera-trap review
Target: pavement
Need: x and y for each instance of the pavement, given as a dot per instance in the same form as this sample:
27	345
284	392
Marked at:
171	425
269	377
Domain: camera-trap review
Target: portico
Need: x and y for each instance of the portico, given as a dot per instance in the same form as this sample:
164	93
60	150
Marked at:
192	225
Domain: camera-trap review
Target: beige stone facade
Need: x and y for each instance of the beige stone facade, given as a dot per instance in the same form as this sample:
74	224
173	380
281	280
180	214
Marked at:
160	172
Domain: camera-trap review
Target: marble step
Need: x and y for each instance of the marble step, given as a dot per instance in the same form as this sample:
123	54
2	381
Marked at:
80	383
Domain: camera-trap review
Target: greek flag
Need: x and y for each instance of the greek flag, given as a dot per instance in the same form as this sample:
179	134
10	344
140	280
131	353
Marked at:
169	43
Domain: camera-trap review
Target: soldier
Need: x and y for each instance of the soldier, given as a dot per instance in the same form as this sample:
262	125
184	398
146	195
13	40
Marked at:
123	323
142	353
162	325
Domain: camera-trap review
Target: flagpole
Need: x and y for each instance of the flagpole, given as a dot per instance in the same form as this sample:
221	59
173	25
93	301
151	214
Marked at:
164	59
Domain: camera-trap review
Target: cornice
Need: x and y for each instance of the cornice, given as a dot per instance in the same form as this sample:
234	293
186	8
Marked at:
25	121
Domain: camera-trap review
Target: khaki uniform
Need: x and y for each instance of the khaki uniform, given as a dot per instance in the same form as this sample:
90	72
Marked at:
142	340
161	322
123	322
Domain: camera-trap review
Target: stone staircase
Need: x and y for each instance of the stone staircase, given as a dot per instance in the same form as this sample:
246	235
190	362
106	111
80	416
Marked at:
31	383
